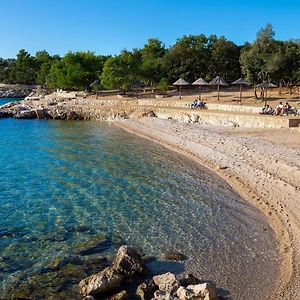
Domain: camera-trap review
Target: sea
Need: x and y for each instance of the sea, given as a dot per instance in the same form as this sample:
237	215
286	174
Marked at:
72	192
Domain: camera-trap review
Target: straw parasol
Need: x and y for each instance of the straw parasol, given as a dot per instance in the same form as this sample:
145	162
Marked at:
200	81
241	82
217	82
266	85
96	85
180	82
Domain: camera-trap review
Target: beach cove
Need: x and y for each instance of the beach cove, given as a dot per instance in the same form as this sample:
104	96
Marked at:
236	154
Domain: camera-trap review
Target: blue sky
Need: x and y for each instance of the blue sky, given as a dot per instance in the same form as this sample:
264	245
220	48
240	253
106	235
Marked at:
107	26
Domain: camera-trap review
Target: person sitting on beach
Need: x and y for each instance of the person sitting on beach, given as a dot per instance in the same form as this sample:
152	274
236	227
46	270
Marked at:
279	109
286	108
267	110
201	104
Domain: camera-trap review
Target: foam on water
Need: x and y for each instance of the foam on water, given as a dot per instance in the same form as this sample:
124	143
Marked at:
65	184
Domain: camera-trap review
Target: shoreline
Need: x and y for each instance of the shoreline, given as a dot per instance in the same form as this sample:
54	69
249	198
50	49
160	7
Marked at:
279	219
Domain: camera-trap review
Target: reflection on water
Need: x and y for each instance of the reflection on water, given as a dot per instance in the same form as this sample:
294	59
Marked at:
72	192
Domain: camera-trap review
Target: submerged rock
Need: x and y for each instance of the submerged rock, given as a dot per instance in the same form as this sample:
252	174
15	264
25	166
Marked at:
174	255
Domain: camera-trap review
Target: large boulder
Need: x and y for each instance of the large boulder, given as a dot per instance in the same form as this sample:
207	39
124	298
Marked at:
167	282
106	281
129	263
203	291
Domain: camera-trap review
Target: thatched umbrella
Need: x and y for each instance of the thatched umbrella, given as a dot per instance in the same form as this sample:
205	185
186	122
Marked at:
137	84
95	84
200	82
265	85
180	82
217	82
241	82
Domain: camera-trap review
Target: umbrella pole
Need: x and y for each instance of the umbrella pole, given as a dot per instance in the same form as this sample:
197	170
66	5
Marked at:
266	97
199	91
241	90
218	92
180	92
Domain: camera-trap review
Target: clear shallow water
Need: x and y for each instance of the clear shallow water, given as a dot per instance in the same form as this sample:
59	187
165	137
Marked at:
6	100
66	185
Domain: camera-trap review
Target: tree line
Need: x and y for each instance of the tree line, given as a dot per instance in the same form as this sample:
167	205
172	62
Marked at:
191	57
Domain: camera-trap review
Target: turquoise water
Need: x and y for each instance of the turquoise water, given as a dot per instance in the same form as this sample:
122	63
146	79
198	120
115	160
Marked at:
72	192
6	100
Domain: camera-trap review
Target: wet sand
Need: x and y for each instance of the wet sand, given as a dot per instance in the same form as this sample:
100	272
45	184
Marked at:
263	166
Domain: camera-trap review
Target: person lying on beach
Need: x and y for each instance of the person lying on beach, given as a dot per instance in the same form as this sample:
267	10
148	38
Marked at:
194	104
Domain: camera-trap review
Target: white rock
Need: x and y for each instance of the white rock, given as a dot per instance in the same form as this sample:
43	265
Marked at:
167	282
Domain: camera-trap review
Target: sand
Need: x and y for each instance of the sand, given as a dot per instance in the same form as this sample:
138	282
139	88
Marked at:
263	166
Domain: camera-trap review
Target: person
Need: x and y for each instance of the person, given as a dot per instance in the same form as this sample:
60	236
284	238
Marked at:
279	109
287	108
264	109
194	104
267	110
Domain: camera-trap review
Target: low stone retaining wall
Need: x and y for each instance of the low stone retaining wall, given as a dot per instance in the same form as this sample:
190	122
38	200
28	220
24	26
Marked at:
228	119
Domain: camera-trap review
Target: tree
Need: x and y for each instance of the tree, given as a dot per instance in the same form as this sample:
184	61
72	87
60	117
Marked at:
151	69
23	70
188	58
43	65
270	59
75	70
120	71
224	59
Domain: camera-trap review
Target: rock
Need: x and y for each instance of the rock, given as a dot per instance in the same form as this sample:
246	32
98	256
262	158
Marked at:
146	290
174	255
89	298
203	291
129	263
106	281
26	114
167	282
150	113
194	118
162	295
189	279
119	296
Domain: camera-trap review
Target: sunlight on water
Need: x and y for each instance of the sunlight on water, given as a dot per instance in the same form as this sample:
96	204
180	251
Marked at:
66	186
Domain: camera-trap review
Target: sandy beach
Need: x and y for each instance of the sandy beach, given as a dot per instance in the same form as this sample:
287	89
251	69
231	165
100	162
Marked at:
262	165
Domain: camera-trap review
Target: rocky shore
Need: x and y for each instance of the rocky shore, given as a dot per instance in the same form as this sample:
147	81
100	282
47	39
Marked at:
126	279
16	90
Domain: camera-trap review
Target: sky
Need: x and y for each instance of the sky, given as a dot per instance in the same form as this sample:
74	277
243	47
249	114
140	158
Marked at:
108	26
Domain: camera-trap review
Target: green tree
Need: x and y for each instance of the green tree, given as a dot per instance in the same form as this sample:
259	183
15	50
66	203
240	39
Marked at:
120	71
256	59
224	59
188	58
151	68
75	70
23	70
43	64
